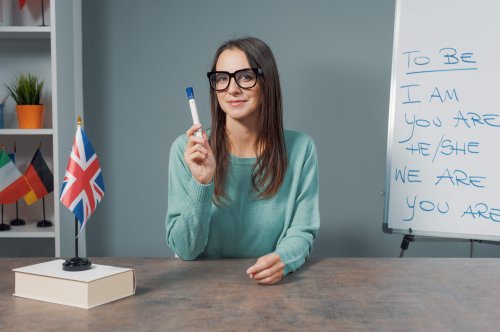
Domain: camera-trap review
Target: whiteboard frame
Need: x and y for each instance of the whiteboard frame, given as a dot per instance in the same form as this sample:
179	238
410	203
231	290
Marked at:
390	133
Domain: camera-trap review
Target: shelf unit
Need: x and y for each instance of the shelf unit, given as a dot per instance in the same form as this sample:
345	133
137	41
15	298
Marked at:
31	49
54	53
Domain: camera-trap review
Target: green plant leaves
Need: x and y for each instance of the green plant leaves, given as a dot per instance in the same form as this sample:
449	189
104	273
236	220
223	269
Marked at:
26	89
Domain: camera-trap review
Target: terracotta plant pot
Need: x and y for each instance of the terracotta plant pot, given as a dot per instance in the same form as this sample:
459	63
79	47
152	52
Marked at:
30	116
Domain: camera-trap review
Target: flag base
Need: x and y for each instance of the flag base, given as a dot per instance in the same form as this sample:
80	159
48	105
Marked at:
18	222
4	227
77	264
43	223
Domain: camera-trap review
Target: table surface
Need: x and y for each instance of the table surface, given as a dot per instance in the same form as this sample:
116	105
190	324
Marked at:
334	294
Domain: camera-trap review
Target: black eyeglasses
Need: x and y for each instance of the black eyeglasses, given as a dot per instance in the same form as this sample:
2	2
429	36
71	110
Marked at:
244	78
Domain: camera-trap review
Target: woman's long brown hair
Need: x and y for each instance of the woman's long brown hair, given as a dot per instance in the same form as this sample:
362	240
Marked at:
270	167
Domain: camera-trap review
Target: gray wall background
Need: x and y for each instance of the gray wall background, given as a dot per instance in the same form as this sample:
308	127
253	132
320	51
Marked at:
334	59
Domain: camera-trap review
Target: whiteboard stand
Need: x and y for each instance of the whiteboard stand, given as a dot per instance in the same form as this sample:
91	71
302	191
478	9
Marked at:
407	238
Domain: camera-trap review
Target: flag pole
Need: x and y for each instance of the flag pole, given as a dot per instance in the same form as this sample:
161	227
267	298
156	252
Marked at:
17	221
77	263
4	227
44	222
43	16
76	238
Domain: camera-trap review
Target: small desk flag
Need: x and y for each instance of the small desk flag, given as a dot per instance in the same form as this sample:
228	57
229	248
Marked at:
13	184
83	185
39	177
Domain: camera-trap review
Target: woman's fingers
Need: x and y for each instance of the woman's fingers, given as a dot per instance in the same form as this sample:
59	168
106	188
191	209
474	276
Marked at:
270	271
263	263
196	144
267	270
196	154
190	132
202	142
193	140
197	148
271	280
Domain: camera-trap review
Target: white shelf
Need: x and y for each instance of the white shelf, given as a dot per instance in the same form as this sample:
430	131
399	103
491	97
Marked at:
29	230
22	32
46	131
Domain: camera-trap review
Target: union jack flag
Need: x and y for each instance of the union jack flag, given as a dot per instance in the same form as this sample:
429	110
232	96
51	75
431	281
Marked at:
83	186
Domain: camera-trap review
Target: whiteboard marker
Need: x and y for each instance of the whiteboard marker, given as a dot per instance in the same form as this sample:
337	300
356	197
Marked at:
194	111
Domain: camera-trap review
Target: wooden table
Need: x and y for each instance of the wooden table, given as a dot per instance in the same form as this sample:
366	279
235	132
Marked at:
336	294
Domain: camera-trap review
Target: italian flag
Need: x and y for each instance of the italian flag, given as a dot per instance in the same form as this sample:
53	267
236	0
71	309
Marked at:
13	184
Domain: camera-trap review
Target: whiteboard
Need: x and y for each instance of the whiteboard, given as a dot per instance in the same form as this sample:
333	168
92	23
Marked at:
443	146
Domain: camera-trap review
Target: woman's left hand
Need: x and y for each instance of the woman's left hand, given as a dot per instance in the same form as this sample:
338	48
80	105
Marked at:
268	269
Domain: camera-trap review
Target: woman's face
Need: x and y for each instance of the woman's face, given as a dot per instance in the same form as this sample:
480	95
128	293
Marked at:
237	103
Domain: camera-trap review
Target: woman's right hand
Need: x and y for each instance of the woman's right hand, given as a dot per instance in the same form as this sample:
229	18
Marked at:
199	156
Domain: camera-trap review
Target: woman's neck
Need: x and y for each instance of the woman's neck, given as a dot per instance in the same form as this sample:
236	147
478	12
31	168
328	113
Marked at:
242	138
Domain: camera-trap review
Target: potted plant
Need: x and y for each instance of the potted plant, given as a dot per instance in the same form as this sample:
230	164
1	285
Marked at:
26	90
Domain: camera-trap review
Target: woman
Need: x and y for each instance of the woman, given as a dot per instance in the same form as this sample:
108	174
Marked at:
248	188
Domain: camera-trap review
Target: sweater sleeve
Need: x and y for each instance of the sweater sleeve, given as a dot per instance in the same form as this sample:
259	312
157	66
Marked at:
189	206
296	245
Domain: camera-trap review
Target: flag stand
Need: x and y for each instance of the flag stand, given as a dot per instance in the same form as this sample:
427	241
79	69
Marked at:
4	227
70	194
17	221
44	222
76	263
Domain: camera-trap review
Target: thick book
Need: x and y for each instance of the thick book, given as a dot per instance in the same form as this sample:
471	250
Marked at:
84	289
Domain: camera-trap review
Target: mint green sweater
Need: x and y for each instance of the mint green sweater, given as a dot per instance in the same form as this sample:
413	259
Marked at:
245	226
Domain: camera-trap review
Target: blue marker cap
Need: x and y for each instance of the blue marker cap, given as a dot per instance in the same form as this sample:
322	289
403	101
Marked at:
190	92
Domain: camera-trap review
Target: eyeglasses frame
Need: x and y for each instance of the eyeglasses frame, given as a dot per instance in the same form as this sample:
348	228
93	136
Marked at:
258	72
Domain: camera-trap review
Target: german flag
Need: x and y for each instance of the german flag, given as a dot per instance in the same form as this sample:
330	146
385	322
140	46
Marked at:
39	177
